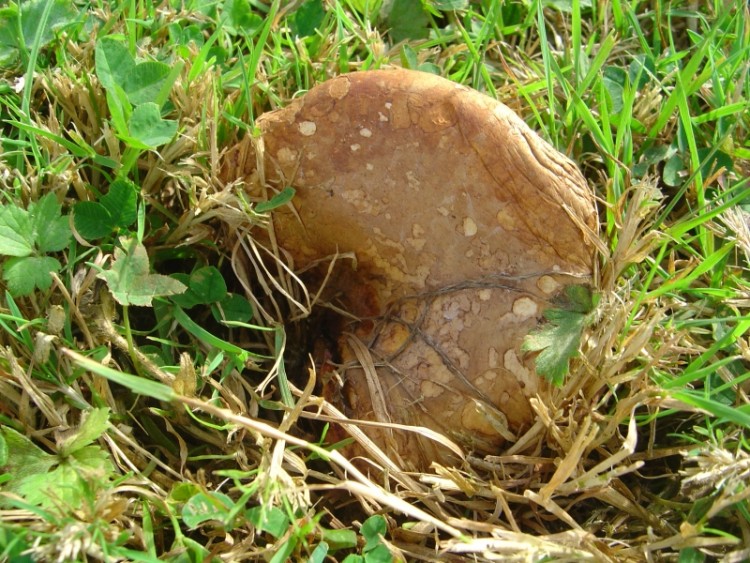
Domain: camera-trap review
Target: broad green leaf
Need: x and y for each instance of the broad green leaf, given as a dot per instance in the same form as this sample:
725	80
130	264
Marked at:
713	160
50	229
407	19
368	8
8	35
340	539
91	428
117	208
183	36
93	463
373	529
148	128
25	458
378	554
21	27
650	157
233	307
144	82
129	278
204	507
578	299
279	199
565	6
121	201
24	274
558	340
641	70
205	285
181	492
63	13
615	79
208	284
449	5
71	481
92	220
239	18
75	477
16	231
52	487
673	171
269	519
32	475
308	18
319	553
691	554
113	62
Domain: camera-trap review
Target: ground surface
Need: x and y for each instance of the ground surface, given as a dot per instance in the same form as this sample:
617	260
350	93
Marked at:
147	411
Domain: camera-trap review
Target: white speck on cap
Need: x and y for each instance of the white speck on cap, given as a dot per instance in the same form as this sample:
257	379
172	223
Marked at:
524	307
307	128
470	227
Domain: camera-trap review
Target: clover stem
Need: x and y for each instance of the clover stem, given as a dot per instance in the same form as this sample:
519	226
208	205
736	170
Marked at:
129	339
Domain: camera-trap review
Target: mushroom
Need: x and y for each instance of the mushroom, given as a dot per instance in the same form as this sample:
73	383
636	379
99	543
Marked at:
465	225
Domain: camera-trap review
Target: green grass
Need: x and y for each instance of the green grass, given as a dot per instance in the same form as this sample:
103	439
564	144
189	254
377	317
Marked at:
142	371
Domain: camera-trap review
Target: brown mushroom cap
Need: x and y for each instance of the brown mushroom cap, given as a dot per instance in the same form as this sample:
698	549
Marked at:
464	223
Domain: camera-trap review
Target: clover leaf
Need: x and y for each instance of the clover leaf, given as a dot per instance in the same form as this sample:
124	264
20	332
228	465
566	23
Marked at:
129	279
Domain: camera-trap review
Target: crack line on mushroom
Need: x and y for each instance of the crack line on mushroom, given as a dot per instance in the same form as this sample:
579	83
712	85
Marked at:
517	199
454	369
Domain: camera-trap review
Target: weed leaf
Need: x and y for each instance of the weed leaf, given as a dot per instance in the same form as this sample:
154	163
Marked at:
319	553
308	18
94	424
24	274
117	208
147	127
25	458
121	201
233	307
373	530
113	62
69	482
559	339
239	18
206	506
16	235
407	20
449	5
144	82
19	26
130	281
340	539
49	228
205	285
92	220
269	519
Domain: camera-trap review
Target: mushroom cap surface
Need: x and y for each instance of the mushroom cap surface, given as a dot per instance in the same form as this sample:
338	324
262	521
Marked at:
465	225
